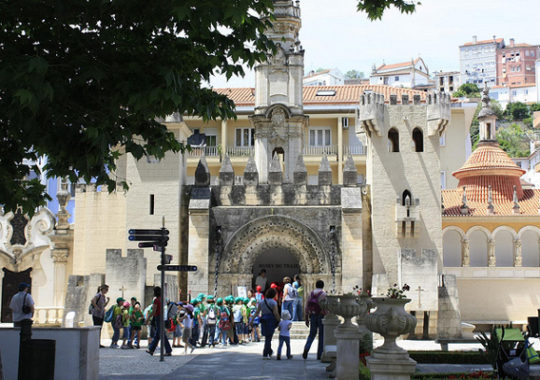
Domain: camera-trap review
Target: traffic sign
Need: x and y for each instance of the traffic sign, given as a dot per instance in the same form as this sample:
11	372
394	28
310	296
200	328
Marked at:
148	238
178	268
148	232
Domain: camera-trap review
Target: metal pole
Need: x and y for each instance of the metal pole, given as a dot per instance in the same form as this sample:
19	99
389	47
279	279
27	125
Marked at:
163	304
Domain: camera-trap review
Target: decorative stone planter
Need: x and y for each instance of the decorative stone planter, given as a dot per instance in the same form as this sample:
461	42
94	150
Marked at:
347	361
366	336
390	320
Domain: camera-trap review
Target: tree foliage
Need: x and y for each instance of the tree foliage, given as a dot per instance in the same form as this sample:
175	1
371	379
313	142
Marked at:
82	82
79	78
517	111
376	8
513	140
469	90
354	74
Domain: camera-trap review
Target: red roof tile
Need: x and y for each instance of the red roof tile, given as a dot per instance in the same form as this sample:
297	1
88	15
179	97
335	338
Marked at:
498	40
345	94
397	65
488	156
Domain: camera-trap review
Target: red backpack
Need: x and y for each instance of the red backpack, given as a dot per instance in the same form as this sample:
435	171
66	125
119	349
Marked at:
313	306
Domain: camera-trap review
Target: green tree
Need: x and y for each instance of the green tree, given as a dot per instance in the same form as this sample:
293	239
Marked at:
513	140
354	74
83	82
470	90
535	107
78	79
517	111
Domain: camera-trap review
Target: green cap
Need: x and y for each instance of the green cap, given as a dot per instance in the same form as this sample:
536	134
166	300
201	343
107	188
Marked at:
246	300
238	299
195	301
201	296
210	298
219	301
120	299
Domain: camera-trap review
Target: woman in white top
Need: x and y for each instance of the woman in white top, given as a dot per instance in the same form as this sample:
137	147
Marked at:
289	296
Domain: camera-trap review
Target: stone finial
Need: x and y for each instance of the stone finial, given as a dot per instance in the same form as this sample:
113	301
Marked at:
226	173
63	215
490	207
464	204
300	171
515	209
251	174
275	175
325	173
350	174
202	173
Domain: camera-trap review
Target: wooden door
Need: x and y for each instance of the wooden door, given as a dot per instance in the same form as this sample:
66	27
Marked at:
10	286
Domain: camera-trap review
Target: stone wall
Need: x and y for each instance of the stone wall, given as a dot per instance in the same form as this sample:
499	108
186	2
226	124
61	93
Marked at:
449	323
126	272
79	293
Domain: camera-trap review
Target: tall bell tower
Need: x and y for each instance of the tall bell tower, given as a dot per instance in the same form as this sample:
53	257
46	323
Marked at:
279	118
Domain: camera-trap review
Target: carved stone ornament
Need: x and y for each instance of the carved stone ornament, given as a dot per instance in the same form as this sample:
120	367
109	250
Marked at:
278	122
60	255
18	223
279	59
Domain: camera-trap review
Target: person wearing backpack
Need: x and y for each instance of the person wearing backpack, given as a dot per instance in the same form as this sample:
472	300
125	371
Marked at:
97	308
314	316
289	296
117	321
211	320
224	323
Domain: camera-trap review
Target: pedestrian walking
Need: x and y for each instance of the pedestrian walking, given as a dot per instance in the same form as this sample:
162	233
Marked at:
314	316
298	307
178	326
289	296
126	325
22	307
137	320
187	321
155	315
97	308
284	334
211	320
117	321
269	320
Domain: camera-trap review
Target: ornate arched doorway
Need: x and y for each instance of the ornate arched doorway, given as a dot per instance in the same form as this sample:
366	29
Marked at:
264	237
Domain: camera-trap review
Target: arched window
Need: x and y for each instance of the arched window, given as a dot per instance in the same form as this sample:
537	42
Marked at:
406	195
418	138
393	140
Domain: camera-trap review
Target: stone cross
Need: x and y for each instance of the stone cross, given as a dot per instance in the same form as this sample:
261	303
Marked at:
123	289
420	290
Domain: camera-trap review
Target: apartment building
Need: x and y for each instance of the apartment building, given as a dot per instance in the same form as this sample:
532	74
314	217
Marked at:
448	81
516	64
478	61
410	74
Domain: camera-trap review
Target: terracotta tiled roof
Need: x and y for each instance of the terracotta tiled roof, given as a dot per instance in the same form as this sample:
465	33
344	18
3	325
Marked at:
498	40
347	94
528	204
314	74
397	65
489	156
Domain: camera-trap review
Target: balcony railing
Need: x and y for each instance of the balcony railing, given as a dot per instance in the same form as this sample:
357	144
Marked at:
48	315
209	151
320	150
354	150
239	151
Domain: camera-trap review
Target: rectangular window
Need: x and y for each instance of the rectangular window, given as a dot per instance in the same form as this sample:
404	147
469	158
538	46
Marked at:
211	140
244	137
151	204
396	79
319	137
443	179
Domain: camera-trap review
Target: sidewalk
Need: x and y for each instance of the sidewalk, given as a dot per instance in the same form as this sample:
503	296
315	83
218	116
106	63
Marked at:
233	362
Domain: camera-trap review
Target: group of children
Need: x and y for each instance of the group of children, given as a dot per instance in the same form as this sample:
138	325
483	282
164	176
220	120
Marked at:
201	322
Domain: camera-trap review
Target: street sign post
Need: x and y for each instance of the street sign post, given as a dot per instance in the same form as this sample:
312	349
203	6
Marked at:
157	239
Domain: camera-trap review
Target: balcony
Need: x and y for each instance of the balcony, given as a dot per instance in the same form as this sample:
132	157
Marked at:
239	151
355	150
320	150
208	151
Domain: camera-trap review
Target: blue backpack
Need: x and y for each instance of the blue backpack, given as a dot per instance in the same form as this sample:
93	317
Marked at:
109	314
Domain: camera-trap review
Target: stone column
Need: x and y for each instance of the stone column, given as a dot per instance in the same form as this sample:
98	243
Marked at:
351	239
348	361
60	258
465	255
518	259
340	150
492	261
223	138
330	322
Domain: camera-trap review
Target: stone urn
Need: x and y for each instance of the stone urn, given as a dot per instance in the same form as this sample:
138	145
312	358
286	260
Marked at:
366	336
391	320
346	307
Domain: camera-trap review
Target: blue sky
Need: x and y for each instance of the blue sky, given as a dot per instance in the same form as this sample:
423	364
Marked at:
335	35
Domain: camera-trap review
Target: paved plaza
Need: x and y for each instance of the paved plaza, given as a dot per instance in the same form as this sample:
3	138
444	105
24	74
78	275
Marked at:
245	362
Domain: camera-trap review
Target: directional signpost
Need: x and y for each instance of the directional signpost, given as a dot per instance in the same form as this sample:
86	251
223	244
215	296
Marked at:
157	239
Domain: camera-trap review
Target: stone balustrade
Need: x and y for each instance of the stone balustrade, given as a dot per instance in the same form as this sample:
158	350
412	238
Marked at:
48	315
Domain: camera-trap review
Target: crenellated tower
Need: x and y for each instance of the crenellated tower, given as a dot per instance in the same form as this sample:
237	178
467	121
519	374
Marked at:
403	171
279	118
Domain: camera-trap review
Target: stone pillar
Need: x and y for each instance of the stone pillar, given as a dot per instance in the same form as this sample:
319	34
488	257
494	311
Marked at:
60	258
518	259
351	239
348	360
465	255
224	138
340	150
330	322
492	261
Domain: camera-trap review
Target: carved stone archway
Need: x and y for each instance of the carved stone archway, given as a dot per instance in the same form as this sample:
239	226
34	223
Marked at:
275	231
